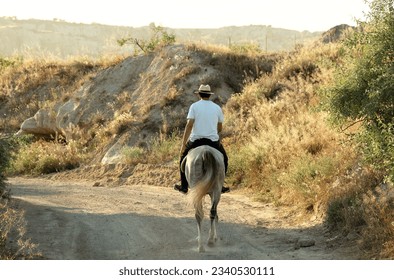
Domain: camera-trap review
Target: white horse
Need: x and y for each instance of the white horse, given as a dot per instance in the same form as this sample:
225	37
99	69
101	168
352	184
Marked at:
204	170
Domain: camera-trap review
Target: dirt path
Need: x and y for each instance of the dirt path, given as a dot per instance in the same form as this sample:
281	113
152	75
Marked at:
76	220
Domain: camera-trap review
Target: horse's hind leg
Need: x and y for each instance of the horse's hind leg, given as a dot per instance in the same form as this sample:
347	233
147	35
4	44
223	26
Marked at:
214	220
199	216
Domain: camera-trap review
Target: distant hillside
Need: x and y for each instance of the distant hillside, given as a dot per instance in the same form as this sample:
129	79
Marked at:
40	37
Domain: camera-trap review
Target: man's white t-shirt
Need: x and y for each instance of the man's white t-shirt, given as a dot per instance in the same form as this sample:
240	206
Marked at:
206	115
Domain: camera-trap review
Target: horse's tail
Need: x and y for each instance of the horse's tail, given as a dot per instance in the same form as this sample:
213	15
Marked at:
206	183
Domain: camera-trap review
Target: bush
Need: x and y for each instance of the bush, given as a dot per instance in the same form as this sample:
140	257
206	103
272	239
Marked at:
361	99
363	91
133	155
362	205
11	220
42	157
159	38
7	62
4	161
162	149
165	148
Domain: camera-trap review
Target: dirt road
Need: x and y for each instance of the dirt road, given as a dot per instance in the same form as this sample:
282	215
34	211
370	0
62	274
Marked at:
77	220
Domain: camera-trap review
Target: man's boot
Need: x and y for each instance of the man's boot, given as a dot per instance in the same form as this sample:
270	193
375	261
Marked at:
180	188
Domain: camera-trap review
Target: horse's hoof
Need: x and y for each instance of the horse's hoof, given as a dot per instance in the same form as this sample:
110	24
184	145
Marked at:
201	249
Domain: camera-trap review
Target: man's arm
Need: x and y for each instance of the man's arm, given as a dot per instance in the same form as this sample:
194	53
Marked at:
220	127
186	134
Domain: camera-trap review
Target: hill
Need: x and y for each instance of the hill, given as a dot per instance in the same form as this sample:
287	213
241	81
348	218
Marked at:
62	39
138	97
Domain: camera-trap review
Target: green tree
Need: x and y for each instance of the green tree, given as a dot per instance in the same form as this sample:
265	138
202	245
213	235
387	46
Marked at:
364	86
159	37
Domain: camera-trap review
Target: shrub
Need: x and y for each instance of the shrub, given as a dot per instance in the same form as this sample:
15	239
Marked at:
361	99
248	48
161	149
134	155
363	91
361	204
4	161
11	220
43	157
165	148
159	38
8	62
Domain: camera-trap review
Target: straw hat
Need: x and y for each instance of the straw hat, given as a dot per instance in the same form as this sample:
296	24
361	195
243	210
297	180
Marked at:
204	89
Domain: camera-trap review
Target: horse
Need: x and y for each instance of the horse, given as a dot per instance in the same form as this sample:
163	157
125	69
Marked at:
204	170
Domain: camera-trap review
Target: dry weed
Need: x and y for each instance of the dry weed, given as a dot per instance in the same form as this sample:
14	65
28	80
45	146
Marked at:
360	203
13	243
284	147
378	213
43	157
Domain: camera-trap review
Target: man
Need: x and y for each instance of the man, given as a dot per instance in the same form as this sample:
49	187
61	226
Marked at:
204	123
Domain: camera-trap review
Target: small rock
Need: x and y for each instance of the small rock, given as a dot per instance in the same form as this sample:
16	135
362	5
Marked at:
307	243
96	184
302	243
352	236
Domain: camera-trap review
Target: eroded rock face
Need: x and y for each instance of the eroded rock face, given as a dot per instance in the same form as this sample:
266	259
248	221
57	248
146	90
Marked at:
97	98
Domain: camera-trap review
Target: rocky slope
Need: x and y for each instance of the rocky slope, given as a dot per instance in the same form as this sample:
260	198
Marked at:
148	94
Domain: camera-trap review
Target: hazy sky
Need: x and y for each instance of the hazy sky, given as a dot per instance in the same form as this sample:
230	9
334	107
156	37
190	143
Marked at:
311	15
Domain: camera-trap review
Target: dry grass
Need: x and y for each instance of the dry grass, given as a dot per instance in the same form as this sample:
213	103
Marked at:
284	148
12	227
378	214
163	149
229	62
43	157
361	204
286	151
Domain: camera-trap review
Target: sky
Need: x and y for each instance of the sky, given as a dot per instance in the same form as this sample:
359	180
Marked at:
310	15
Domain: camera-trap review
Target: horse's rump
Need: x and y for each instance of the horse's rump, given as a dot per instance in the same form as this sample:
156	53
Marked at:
204	169
208	179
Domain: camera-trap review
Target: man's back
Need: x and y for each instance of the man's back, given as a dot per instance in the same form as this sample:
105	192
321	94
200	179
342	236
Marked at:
206	116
